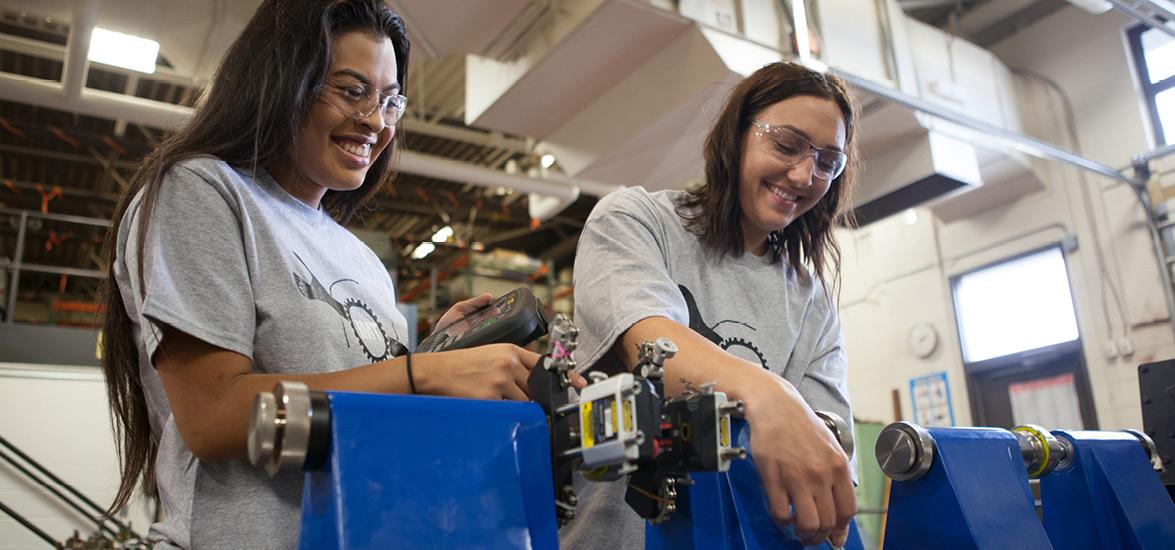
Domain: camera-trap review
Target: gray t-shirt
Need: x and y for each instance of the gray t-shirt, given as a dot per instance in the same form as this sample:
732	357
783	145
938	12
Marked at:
238	262
637	260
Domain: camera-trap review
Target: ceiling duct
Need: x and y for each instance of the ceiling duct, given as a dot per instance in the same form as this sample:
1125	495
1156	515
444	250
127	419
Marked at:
635	109
438	28
909	164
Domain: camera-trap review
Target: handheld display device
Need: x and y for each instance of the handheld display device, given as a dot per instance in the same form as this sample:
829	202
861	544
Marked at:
512	318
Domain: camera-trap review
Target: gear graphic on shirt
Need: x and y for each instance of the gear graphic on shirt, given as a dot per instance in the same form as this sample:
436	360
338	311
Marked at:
365	325
728	343
368	330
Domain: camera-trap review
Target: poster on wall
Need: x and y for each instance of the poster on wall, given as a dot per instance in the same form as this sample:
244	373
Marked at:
1048	402
931	398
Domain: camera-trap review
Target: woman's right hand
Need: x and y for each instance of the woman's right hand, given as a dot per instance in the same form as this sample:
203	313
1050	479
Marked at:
804	470
495	371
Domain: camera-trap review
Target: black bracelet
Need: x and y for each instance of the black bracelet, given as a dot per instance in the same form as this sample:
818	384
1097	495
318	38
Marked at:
411	382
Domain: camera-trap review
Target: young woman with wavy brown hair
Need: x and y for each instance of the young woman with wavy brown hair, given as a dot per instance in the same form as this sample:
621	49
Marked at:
739	273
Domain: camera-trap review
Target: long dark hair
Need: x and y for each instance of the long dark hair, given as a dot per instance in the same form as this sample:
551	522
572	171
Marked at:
712	211
262	94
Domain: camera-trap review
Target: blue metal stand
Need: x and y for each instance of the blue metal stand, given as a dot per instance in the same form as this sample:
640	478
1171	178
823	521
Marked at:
975	496
387	484
1109	497
728	511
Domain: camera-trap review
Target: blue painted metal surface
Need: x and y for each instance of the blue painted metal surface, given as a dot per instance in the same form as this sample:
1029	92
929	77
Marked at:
1109	498
385	484
975	496
728	511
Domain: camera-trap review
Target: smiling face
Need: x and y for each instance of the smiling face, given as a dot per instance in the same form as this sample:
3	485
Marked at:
332	150
772	192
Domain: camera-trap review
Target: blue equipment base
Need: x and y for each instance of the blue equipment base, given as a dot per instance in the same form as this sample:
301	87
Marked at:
975	496
728	511
1109	498
386	485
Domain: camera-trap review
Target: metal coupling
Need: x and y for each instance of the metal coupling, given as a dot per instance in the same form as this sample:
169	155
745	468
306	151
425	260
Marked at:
904	451
564	332
735	408
1042	451
840	429
652	356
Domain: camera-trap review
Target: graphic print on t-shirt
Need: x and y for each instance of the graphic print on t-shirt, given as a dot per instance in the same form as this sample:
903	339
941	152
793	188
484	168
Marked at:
364	324
735	336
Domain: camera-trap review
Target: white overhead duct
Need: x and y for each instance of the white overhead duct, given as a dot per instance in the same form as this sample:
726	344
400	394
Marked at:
985	15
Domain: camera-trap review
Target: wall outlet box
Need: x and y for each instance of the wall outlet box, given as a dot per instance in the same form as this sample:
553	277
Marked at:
1111	349
1126	346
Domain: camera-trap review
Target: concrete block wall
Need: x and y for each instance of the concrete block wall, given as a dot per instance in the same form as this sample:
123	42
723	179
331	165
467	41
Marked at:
57	415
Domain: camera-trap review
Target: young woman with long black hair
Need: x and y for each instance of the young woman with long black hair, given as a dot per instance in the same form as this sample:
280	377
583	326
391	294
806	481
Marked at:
229	271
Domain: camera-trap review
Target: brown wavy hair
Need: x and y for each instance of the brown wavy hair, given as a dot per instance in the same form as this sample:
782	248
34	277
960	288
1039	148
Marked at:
261	95
712	211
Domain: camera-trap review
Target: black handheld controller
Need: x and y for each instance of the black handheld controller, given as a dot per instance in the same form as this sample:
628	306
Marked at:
512	318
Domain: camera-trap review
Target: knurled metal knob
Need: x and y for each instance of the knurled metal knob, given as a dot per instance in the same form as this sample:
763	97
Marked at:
904	451
279	432
263	429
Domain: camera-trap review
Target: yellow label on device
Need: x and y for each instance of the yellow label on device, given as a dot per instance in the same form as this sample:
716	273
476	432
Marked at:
627	415
615	420
585	424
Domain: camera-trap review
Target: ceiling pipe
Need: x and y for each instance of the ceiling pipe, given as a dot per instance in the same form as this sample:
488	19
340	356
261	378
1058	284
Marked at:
1148	12
447	169
98	103
77	63
54	52
415	125
548	195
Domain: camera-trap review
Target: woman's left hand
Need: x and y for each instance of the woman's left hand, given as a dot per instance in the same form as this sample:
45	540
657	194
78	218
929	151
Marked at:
463	308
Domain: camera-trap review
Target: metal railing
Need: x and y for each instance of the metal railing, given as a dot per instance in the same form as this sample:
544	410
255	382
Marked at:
17	265
107	528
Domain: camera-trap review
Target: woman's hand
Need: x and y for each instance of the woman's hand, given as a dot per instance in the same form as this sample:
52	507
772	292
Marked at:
462	309
495	371
802	465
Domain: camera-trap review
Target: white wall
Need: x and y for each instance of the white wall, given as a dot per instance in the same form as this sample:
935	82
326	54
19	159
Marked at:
896	274
57	416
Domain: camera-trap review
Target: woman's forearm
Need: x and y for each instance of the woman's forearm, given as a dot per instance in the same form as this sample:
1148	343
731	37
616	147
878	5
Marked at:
699	361
211	391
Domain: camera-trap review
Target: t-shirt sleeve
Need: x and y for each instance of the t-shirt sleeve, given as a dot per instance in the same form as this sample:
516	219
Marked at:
195	270
620	273
824	384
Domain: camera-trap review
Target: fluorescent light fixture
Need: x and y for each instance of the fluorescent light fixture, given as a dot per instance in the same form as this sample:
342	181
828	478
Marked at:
442	235
123	50
423	250
547	160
